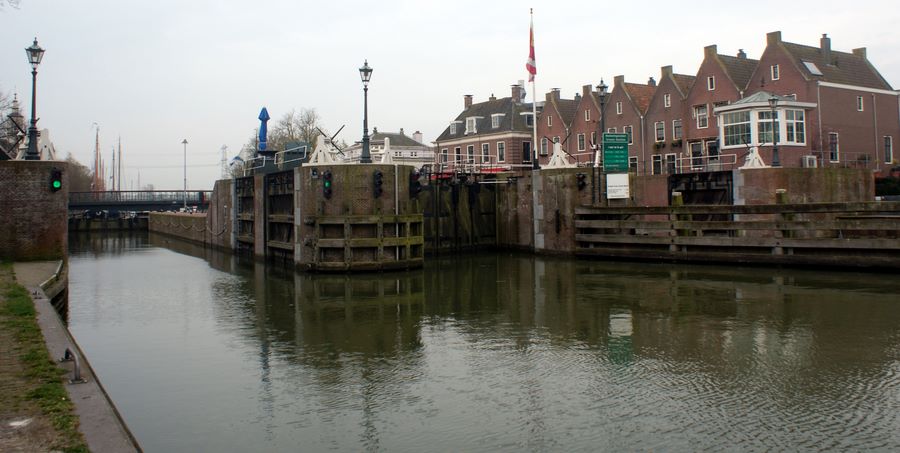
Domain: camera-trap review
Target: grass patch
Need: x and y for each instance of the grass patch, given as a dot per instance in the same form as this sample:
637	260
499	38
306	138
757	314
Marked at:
18	316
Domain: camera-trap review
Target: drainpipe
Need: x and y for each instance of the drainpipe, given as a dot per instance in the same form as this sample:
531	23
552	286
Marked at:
875	127
819	113
396	212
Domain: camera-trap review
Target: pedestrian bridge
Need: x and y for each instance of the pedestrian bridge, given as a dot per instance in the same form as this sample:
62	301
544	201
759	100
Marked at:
138	200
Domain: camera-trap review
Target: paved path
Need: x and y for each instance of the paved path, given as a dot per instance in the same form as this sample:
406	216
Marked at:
99	421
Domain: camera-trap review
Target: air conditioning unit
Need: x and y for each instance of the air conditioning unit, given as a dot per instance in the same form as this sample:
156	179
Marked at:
808	162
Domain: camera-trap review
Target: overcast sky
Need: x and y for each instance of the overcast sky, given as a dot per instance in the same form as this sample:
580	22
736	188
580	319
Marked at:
157	72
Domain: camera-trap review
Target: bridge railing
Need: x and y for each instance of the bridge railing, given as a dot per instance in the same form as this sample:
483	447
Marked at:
194	197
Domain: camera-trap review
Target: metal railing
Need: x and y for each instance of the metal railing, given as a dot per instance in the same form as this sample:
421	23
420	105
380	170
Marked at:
140	196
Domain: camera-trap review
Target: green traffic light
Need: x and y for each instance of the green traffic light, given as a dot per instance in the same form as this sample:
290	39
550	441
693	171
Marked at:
327	183
57	184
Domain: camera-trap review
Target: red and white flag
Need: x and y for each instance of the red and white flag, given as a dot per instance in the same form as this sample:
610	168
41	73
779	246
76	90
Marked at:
530	65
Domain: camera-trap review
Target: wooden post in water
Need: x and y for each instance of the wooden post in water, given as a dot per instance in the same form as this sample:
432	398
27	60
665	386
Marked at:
781	199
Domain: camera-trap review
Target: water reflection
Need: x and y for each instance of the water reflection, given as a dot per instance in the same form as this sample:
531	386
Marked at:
491	352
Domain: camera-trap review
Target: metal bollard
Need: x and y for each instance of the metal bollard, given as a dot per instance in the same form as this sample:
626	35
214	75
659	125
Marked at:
76	371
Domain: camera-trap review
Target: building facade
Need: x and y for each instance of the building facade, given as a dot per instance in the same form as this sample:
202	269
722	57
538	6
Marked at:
488	136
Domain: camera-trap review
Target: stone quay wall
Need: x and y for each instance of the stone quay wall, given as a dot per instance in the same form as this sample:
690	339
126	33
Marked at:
33	219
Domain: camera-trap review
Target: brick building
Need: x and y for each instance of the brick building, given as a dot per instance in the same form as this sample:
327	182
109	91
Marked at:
555	123
666	120
625	112
496	133
585	128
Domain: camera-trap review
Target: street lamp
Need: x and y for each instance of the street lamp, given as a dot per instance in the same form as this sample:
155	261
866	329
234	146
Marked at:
35	54
365	73
184	196
773	103
601	92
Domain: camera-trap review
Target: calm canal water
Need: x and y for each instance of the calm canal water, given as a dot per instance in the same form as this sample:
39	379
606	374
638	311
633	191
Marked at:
491	352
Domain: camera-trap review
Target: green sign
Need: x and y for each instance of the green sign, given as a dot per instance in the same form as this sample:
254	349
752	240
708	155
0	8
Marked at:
615	152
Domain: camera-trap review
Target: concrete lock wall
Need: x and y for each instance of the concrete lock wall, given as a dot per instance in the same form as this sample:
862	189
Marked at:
212	229
803	185
33	219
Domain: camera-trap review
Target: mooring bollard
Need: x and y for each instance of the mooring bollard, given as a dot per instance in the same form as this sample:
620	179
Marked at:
70	356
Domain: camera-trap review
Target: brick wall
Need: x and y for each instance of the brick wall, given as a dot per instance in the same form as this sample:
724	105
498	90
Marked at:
33	220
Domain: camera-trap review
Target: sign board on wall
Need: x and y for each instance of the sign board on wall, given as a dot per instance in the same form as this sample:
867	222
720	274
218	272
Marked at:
617	186
615	152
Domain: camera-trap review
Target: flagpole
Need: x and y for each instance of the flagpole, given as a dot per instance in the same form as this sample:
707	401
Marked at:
534	147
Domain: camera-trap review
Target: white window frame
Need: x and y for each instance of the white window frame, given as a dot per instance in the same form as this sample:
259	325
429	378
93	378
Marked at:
594	138
711	83
757	121
549	120
458	157
470	154
545	146
667	100
670	157
471	125
657	163
526	157
629	131
611	130
888	149
790	126
485	152
775	72
496	118
657	127
453	128
501	151
581	145
633	163
677	132
860	104
444	158
704	116
587	114
618	107
834	155
529	120
736	120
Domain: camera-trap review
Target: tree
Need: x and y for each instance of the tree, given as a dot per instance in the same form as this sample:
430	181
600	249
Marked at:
292	126
80	176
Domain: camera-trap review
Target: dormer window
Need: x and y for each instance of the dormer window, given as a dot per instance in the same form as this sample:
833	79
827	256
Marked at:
711	83
529	120
496	119
454	127
470	125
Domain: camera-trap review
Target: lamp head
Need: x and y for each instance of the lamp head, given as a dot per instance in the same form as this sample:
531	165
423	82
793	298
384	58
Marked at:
35	54
365	73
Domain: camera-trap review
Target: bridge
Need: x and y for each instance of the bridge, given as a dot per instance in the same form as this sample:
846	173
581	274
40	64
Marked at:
138	200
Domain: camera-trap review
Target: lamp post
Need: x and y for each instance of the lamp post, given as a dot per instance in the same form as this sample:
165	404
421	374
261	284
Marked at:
601	91
184	195
773	103
35	54
365	73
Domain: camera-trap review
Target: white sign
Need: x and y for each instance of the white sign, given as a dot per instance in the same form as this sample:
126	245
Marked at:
617	186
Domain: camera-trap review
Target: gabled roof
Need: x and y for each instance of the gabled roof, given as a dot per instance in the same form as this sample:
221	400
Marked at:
684	82
739	70
397	139
640	95
844	68
567	109
511	120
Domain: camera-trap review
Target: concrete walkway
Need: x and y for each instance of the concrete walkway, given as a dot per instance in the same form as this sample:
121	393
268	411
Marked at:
100	422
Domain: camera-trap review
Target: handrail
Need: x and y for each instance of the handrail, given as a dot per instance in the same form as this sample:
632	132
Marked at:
71	356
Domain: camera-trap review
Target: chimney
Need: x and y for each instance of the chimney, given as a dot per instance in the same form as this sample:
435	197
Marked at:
467	101
586	90
665	71
826	48
417	136
710	51
741	54
401	131
773	37
492	98
651	82
517	93
619	80
861	52
577	97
